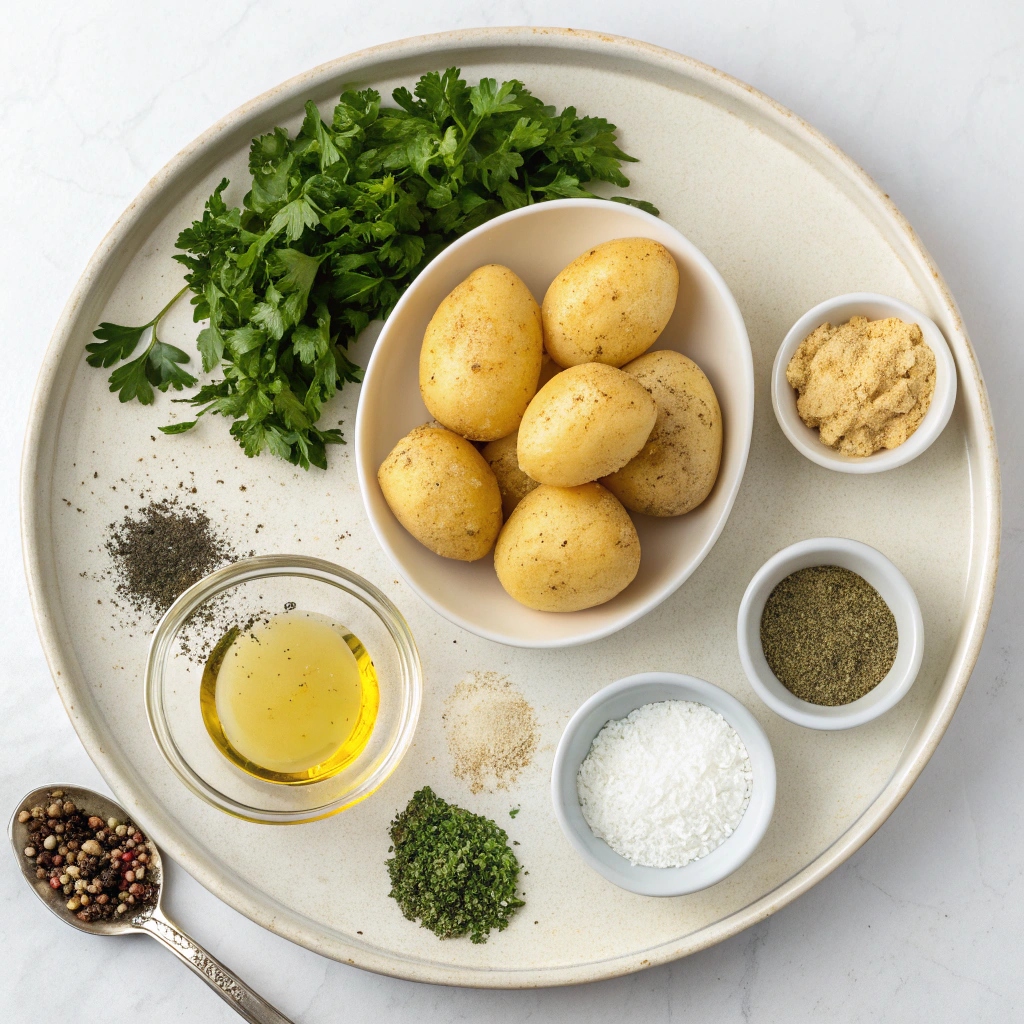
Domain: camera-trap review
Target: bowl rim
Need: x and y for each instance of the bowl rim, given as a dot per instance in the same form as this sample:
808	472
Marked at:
258	567
881	698
805	439
367	475
667	882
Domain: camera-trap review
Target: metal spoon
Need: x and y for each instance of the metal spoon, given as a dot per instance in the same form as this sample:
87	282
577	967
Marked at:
150	920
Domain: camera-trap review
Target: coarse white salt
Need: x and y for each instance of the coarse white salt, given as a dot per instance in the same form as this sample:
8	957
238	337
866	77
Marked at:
665	785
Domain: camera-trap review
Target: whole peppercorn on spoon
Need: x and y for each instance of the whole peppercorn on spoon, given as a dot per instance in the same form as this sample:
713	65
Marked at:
73	804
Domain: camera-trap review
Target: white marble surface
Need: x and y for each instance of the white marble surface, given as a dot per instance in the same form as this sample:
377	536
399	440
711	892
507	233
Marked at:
926	921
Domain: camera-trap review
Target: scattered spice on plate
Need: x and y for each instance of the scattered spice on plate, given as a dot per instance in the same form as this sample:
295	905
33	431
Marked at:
828	635
491	729
161	551
865	384
665	785
452	869
103	867
157	553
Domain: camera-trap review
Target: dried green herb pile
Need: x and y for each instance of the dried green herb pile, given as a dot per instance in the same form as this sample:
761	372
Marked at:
828	635
336	223
452	869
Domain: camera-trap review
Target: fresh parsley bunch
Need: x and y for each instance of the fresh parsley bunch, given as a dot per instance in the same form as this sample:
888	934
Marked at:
336	224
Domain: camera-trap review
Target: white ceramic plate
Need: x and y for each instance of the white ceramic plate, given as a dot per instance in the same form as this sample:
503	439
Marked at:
788	221
537	242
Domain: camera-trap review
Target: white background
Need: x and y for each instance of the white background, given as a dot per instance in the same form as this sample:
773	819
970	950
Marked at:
926	921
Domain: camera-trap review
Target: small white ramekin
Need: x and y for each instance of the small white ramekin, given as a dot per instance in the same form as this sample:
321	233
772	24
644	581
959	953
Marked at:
837	311
617	701
894	589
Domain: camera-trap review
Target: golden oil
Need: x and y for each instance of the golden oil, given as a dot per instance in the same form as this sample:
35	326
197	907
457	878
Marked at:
292	699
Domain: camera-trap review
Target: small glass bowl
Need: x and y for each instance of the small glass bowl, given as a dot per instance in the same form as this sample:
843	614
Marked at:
233	596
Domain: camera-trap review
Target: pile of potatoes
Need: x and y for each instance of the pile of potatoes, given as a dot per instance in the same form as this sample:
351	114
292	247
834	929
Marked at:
544	477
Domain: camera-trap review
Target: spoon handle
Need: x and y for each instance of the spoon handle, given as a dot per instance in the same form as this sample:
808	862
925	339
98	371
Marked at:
252	1007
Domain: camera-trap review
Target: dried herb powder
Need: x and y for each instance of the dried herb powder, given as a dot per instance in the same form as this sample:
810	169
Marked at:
161	550
828	635
452	869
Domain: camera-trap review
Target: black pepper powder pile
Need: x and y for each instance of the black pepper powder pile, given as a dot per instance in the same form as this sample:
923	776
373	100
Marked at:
161	551
828	635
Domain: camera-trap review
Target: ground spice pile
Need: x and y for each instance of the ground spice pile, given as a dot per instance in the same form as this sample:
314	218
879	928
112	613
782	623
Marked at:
828	635
161	551
865	384
103	867
452	869
491	729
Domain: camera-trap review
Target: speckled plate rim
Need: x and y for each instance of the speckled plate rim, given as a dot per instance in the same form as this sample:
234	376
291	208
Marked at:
657	65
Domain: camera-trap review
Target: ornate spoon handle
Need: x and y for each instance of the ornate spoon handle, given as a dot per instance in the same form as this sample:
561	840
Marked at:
254	1008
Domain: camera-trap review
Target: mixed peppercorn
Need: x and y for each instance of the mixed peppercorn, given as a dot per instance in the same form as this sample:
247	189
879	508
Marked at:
103	867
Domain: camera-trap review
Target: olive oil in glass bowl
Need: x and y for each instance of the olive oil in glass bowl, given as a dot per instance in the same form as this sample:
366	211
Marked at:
291	699
283	689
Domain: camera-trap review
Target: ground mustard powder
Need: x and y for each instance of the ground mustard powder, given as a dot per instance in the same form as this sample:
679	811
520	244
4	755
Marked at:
865	384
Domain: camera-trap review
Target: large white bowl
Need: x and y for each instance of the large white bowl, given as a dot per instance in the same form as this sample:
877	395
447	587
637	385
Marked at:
537	242
617	701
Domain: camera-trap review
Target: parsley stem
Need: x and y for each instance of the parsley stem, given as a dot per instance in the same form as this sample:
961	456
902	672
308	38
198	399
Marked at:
467	138
156	320
166	309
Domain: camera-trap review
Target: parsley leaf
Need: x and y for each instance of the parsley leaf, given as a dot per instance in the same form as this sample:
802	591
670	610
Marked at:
178	428
130	381
117	343
163	367
159	366
336	223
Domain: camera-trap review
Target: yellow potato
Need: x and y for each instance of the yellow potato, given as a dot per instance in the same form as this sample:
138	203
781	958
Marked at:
443	492
610	304
513	483
678	465
567	548
585	423
481	355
